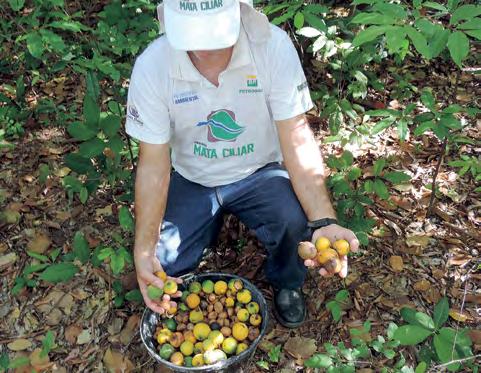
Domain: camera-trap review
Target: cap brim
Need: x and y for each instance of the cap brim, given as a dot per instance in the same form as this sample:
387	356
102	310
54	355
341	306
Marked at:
208	32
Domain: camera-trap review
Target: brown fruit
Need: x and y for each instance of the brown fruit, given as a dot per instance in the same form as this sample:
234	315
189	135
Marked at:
226	331
333	265
218	307
253	334
306	250
176	339
181	327
212	298
210	308
212	315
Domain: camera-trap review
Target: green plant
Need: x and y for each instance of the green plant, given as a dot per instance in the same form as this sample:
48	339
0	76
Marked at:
335	305
377	185
471	165
447	344
275	353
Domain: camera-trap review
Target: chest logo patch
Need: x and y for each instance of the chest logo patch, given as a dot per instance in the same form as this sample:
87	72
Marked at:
222	126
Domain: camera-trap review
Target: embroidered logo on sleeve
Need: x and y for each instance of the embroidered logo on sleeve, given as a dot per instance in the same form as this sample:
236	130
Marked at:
134	115
302	86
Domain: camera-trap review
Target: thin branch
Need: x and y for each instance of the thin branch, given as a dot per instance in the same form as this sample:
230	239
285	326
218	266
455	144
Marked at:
463	360
435	175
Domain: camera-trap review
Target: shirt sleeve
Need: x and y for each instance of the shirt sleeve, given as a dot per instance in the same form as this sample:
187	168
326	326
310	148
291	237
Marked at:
148	117
289	93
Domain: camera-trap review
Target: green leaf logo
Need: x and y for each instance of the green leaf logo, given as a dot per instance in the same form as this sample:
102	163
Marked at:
222	126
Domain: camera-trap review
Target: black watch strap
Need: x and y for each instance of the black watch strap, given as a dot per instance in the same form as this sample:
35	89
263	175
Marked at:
321	223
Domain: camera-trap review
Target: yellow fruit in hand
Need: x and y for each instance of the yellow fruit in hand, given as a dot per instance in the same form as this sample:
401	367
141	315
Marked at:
341	246
325	255
201	331
162	275
192	300
198	360
220	287
306	250
187	348
170	287
243	315
244	296
322	243
241	347
229	345
240	331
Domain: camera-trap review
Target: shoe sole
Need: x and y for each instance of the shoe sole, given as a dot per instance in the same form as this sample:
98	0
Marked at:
287	324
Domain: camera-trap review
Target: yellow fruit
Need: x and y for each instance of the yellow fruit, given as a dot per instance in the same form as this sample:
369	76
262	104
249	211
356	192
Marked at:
253	308
244	296
220	287
172	310
229	345
241	347
196	316
170	287
187	348
198	348
164	336
189	336
341	246
201	331
208	345
192	301
322	243
326	255
240	331
208	286
243	315
216	336
162	275
333	266
255	319
229	302
235	285
177	359
306	250
198	360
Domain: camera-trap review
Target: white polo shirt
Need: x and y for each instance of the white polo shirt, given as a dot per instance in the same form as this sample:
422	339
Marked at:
219	135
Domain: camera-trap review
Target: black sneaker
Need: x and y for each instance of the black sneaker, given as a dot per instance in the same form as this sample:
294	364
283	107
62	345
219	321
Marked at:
289	307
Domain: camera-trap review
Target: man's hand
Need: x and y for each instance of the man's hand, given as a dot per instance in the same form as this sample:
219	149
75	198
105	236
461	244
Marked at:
146	266
334	232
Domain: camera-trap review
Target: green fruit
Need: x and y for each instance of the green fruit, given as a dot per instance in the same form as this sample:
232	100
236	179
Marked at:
185	294
183	307
171	324
195	287
166	351
153	292
188	361
208	286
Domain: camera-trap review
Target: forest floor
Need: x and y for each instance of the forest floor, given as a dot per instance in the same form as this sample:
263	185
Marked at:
440	255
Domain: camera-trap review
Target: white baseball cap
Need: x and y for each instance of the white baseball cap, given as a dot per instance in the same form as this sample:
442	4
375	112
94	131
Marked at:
201	24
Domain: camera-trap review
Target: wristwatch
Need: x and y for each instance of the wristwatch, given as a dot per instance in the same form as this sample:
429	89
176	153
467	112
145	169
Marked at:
324	222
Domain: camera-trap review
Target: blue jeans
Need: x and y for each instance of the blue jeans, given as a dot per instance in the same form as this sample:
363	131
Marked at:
264	201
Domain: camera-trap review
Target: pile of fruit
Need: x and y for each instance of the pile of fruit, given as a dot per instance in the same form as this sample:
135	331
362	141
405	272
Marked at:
212	322
324	254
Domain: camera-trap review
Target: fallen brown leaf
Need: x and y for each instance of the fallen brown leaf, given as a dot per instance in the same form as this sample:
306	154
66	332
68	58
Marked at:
396	263
19	344
116	362
300	347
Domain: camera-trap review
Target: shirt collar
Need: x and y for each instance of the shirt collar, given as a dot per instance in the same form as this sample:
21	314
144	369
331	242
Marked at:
255	28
